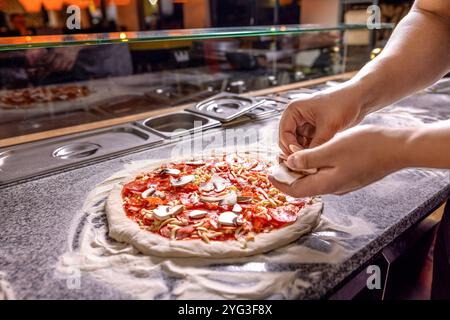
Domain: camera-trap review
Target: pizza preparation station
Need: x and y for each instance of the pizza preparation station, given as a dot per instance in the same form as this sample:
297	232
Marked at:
48	171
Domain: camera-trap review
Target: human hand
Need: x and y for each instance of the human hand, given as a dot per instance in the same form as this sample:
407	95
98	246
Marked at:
314	119
61	59
351	160
34	56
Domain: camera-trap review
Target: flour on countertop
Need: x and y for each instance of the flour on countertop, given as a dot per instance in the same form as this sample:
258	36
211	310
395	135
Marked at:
6	291
148	277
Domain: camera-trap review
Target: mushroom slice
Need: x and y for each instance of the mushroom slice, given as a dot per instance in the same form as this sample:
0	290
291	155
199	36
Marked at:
218	186
189	199
181	181
206	187
237	208
240	220
283	174
176	210
166	212
198	162
244	199
162	213
210	199
296	201
147	193
228	218
159	194
229	199
219	183
196	214
170	172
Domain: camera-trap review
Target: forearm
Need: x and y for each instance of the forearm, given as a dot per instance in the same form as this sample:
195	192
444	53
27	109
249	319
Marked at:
417	55
427	146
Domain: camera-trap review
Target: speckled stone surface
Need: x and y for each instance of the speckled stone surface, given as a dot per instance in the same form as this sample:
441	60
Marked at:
35	216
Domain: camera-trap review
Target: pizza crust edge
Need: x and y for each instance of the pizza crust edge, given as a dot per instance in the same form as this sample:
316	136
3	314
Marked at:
123	229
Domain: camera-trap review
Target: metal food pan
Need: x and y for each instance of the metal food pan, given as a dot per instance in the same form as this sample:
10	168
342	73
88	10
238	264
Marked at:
224	106
177	124
296	93
31	159
273	102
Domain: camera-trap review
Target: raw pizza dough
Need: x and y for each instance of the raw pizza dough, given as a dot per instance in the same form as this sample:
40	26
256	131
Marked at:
123	229
122	266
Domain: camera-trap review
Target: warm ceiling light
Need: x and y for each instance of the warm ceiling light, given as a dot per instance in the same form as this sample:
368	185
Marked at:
35	5
53	4
80	3
374	53
31	5
121	2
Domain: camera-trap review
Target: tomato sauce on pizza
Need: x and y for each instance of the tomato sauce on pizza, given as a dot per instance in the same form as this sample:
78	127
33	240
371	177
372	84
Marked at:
215	199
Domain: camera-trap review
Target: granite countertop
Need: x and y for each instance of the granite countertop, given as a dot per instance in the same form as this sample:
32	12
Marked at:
36	216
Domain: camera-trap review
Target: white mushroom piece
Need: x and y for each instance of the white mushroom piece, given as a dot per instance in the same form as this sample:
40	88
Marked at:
219	183
198	162
197	214
237	208
283	174
229	199
228	218
166	212
147	193
219	187
181	181
170	172
206	187
159	194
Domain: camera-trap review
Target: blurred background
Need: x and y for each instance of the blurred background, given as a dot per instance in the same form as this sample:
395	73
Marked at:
144	55
38	17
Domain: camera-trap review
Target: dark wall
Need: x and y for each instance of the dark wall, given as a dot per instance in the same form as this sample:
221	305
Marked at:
230	13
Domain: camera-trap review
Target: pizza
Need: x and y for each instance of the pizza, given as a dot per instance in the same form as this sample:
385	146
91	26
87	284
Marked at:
26	98
215	207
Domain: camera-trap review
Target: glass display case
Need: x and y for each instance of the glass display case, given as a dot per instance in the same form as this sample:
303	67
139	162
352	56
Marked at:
53	85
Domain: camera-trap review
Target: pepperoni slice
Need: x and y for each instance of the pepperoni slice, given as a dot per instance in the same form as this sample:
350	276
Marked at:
165	231
136	185
189	199
184	232
299	202
286	214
